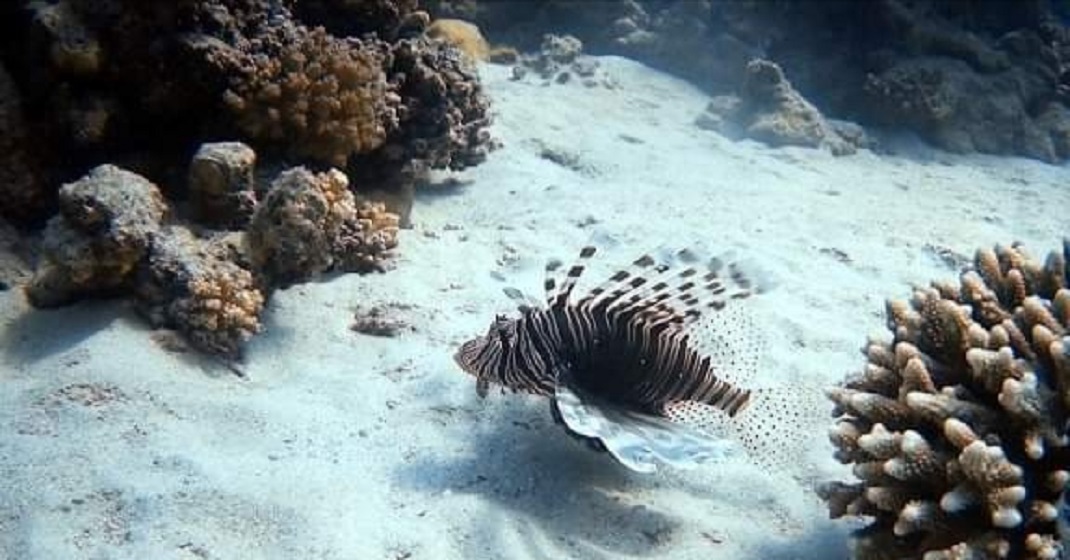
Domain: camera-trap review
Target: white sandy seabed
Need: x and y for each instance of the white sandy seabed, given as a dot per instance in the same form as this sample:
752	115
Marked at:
339	445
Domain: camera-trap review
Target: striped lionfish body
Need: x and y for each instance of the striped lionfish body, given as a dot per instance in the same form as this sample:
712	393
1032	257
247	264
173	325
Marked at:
618	361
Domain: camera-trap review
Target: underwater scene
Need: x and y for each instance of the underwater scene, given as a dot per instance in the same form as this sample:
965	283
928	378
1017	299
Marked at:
534	279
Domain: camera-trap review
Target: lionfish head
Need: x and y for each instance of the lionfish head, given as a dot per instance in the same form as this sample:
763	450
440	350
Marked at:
481	355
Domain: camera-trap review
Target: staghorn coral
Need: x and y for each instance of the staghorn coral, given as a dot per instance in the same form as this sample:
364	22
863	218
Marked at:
198	288
957	428
309	223
104	229
322	97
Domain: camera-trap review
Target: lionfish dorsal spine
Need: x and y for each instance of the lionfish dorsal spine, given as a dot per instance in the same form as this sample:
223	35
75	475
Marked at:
559	297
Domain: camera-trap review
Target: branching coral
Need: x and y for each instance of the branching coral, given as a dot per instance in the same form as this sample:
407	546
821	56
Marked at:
323	97
198	288
957	429
104	229
309	223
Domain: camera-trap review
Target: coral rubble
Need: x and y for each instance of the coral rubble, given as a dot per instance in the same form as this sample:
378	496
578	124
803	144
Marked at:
957	430
989	76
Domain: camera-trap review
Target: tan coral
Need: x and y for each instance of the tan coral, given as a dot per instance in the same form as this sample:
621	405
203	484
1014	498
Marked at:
956	431
464	35
323	97
196	287
310	222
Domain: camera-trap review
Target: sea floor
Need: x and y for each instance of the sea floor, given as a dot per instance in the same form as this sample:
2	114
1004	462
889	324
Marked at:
340	445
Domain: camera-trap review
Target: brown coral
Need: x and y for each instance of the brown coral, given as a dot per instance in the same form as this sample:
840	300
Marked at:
104	228
221	184
957	429
309	223
322	97
463	35
198	288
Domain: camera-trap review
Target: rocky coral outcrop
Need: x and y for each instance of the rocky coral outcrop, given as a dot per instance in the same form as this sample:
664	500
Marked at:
368	93
198	288
957	429
981	76
770	110
309	223
104	229
222	184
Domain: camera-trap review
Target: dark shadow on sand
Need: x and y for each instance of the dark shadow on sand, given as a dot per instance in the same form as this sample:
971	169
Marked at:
38	333
557	499
549	491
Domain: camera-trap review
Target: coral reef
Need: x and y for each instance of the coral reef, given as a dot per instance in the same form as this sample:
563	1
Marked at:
957	429
221	184
309	223
770	110
198	288
325	98
985	75
388	19
104	229
110	240
444	115
367	89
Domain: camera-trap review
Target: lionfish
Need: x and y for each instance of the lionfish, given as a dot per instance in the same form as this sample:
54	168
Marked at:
619	364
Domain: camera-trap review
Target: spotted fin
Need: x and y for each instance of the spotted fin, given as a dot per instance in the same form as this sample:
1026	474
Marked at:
638	441
678	287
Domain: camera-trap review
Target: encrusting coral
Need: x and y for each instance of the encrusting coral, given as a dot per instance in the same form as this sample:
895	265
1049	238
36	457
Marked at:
957	430
311	222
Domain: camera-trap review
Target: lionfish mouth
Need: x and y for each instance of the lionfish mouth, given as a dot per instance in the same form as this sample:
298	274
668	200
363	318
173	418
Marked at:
466	353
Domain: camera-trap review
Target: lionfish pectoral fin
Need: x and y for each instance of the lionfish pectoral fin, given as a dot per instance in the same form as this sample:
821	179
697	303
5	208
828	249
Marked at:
638	441
482	386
